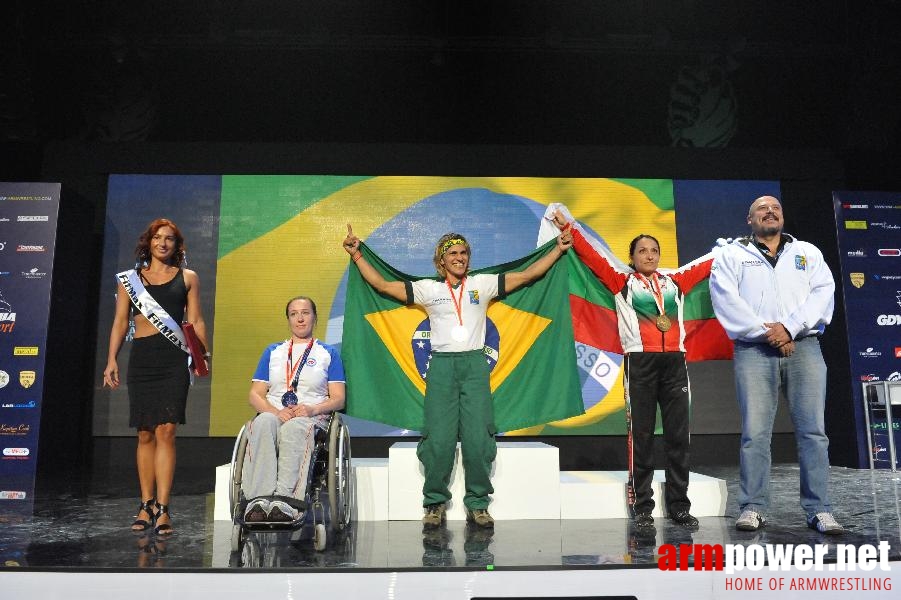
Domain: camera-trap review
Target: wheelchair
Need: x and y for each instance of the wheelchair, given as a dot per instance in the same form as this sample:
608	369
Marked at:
330	473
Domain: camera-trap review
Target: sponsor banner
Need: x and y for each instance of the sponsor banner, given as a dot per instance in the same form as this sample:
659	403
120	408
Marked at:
26	258
871	283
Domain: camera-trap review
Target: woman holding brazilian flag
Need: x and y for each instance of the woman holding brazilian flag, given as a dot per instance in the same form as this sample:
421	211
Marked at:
457	394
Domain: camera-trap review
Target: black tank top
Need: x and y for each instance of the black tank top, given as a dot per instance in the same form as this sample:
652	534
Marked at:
171	295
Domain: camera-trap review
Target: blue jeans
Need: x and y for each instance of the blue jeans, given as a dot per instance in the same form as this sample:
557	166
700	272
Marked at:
760	373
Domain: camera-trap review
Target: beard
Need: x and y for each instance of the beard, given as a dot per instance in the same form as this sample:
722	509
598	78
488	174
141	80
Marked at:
767	229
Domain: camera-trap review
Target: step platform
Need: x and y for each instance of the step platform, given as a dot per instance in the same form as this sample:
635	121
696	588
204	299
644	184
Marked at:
528	484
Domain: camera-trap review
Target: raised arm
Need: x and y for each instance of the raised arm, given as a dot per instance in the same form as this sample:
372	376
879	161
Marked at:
394	289
613	279
517	279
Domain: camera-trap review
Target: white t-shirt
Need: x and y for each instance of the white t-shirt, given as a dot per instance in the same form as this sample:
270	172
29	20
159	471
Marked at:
435	298
323	366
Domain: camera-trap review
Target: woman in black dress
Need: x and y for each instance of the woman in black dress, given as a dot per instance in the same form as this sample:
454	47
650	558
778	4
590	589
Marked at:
157	376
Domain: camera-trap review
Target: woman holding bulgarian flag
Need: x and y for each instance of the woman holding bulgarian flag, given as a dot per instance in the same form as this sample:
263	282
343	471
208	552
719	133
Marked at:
649	310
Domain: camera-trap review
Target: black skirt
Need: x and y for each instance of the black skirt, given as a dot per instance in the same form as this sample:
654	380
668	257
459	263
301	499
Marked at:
158	382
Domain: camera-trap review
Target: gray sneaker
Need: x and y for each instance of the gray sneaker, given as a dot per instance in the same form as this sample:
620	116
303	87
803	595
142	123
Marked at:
434	515
825	523
749	520
282	512
257	511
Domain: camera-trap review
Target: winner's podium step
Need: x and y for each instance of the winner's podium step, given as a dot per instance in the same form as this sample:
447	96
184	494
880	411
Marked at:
528	484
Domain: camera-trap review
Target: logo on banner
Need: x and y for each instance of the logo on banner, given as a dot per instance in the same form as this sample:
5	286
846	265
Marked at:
20	429
2	246
4	379
25	351
34	274
885	225
895	376
888	320
33	218
855	224
857	279
7	316
27	378
29	404
869	377
11	495
870	353
897	351
30	248
857	254
16	452
846	205
889	252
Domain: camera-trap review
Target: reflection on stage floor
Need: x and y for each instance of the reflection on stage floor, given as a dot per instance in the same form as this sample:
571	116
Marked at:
68	532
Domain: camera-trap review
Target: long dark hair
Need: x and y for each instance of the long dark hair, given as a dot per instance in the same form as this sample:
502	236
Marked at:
142	250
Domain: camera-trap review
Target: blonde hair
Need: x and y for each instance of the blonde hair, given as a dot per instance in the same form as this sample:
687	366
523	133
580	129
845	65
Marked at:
446	241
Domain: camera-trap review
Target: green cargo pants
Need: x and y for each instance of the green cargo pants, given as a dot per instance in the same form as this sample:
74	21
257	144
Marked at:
458	407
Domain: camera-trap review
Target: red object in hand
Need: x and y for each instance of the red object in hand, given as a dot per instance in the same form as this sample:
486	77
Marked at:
198	351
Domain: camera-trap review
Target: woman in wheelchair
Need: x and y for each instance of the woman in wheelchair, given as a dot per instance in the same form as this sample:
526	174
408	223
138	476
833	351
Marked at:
298	383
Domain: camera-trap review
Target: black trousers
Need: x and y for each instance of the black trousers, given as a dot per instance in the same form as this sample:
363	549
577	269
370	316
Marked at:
655	379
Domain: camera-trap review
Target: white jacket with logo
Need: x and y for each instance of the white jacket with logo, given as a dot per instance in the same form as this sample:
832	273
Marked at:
747	292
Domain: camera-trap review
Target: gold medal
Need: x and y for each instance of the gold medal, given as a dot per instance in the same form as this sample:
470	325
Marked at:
663	323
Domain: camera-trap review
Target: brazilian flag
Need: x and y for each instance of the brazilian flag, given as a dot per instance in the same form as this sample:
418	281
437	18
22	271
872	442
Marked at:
534	378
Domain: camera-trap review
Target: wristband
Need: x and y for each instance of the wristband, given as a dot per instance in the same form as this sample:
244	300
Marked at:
358	256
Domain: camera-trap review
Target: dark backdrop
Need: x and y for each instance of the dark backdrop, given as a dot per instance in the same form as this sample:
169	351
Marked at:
805	93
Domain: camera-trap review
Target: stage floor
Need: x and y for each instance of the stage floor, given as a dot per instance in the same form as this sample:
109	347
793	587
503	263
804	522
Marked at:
75	533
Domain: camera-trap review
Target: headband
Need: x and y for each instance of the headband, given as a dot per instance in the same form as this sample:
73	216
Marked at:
453	242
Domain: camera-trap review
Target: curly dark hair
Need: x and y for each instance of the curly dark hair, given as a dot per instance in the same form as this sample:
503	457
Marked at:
142	250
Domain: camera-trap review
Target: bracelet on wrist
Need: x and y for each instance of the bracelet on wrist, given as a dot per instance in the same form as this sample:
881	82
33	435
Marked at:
357	256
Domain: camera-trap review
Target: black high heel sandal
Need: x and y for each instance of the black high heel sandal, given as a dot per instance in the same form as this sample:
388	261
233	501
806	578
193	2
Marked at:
165	528
142	525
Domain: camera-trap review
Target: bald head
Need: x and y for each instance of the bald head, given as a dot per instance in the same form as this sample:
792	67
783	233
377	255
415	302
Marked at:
765	217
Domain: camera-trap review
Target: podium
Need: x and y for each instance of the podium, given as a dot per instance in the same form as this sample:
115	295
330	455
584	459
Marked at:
528	484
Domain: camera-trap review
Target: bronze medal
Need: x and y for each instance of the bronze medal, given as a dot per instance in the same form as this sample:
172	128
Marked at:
663	323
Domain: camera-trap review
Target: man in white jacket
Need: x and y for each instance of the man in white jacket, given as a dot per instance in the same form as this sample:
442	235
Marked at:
774	296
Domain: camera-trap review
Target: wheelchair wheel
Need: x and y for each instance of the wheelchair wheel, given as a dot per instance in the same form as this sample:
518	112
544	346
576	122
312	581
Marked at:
237	464
340	475
320	537
237	535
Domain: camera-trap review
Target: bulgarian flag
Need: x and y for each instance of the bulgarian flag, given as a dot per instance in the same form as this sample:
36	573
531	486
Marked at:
594	311
529	345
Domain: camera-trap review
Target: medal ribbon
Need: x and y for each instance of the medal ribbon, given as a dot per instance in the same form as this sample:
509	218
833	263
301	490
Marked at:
458	302
295	370
654	287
